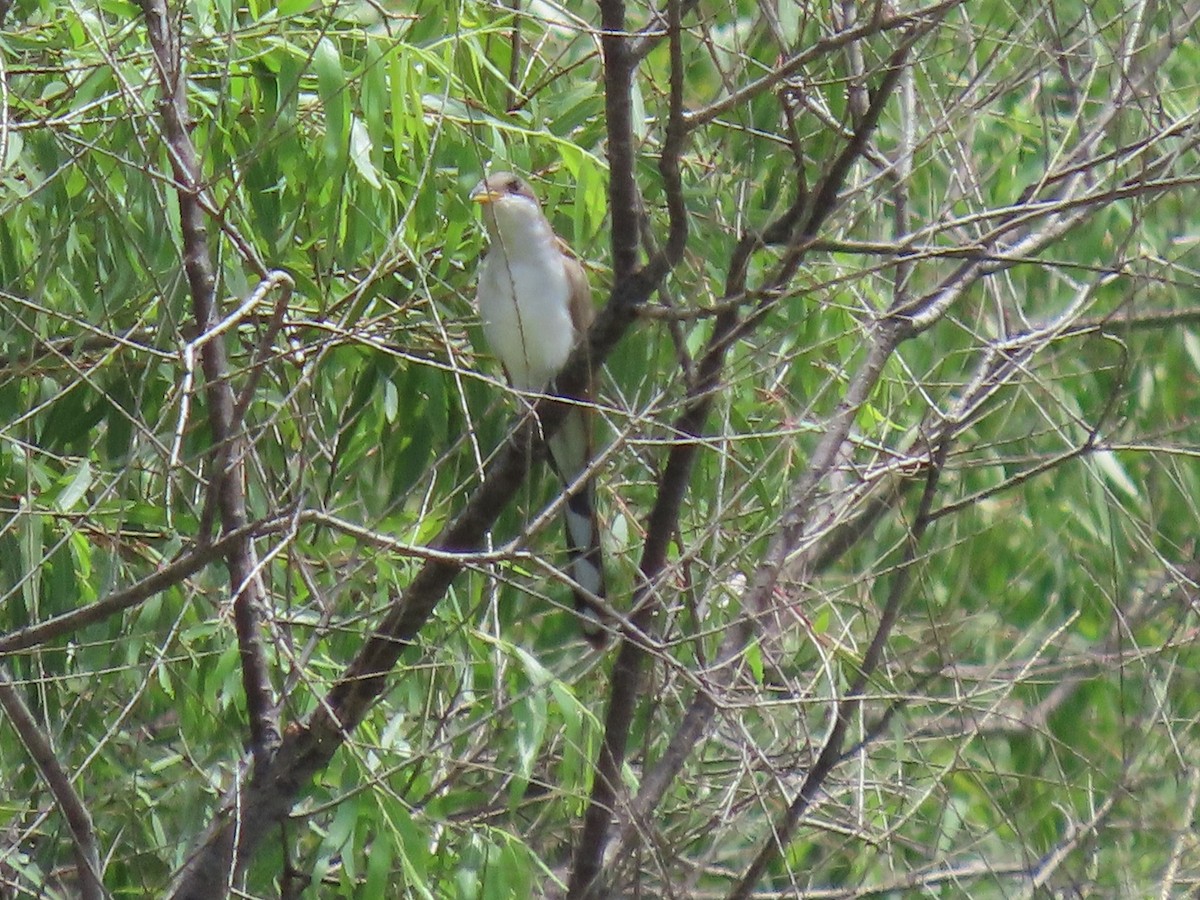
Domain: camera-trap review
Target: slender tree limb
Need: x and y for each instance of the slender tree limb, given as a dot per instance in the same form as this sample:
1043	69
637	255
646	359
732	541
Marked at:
227	471
659	27
920	881
889	332
619	65
79	820
1003	715
1183	836
646	40
729	327
845	17
1076	834
825	195
514	56
283	282
847	707
676	136
815	50
698	718
168	576
660	527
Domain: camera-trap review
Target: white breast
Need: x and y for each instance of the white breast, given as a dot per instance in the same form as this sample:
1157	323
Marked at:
524	303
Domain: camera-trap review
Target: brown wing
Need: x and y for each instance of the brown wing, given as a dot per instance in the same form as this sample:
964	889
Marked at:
582	311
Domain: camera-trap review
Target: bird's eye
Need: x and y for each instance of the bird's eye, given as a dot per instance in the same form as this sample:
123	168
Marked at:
514	187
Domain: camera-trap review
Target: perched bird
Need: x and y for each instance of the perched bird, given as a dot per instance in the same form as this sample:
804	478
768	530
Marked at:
536	305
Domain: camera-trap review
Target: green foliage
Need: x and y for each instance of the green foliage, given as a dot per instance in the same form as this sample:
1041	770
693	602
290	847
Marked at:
1037	694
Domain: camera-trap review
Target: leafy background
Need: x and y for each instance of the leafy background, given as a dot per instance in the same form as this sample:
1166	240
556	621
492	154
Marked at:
1032	725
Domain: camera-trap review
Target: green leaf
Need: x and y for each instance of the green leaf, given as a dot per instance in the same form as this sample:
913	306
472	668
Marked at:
755	661
360	153
1112	469
1191	343
75	486
379	868
331	85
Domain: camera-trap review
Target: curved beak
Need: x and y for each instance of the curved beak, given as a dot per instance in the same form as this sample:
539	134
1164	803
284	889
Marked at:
481	194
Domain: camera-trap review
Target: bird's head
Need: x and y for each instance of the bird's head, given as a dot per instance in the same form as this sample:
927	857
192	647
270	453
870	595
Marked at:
509	204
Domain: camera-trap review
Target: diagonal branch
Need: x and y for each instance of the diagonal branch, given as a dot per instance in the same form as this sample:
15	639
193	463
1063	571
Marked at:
79	820
831	751
168	576
918	18
793	228
663	518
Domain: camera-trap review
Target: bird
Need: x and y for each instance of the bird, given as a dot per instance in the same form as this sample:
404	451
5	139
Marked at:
536	305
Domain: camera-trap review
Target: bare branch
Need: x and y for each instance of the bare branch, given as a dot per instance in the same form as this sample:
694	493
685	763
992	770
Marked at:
619	66
814	51
1186	819
847	707
728	328
168	576
285	285
1077	833
79	820
227	468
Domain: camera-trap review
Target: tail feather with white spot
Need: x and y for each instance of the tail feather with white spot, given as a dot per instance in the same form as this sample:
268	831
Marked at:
569	449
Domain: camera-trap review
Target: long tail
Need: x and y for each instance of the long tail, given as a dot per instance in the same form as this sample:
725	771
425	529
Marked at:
570	449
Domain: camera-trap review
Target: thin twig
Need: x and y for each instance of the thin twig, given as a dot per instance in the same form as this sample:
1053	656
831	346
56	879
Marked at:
1075	835
283	281
661	525
1183	836
847	707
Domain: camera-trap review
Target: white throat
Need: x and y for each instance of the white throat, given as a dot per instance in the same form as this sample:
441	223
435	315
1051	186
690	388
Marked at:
524	294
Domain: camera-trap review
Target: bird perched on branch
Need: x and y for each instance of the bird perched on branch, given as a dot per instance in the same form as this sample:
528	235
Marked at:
536	305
